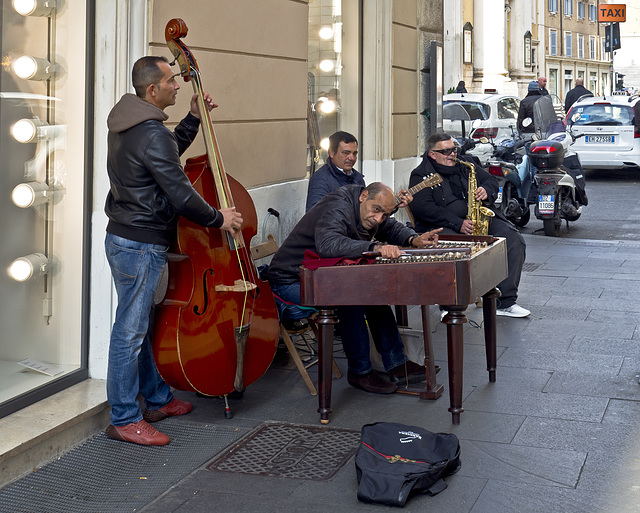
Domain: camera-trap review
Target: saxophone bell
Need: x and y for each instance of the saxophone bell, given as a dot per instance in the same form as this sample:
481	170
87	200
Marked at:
479	215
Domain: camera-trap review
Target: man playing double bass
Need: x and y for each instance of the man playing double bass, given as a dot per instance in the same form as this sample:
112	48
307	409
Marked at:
149	191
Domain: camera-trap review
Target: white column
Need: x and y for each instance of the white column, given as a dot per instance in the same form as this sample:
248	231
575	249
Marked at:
488	44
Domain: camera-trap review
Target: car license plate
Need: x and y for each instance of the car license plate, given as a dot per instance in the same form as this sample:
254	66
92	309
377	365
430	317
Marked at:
600	138
545	203
499	198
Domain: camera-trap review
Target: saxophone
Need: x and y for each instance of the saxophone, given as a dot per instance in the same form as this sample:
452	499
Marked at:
475	211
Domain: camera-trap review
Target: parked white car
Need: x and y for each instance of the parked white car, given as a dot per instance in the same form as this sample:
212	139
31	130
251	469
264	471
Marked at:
486	115
611	141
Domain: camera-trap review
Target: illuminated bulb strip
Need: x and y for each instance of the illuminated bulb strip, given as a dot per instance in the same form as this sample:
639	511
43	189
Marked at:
32	68
24	130
29	194
28	267
34	7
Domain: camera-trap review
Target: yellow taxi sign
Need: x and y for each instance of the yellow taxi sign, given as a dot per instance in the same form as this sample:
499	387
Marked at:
612	13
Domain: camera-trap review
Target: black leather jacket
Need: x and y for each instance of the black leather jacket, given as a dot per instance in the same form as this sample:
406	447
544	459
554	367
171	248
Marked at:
149	190
332	229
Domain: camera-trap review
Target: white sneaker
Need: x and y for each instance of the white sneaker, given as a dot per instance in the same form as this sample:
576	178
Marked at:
513	311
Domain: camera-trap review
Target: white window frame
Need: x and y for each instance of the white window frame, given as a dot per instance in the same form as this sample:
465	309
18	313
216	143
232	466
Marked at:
593	52
568	44
568	8
553	42
581	10
580	46
553	6
593	13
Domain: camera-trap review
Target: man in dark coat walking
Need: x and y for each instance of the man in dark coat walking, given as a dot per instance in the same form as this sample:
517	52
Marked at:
575	93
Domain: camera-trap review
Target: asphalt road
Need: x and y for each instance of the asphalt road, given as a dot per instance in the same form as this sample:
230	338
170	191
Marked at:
613	212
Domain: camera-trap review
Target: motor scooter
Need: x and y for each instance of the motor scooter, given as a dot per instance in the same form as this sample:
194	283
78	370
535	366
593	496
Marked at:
509	164
558	175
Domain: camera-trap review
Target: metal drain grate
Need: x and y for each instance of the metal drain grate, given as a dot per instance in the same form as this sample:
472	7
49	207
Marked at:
110	476
289	450
529	268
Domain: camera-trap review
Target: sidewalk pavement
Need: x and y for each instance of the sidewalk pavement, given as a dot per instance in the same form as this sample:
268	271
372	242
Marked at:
558	431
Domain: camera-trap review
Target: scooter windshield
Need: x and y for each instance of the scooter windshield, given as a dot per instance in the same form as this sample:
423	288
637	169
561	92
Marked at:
543	115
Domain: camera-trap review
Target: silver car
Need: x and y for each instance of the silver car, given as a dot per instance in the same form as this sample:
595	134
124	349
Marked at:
489	115
611	141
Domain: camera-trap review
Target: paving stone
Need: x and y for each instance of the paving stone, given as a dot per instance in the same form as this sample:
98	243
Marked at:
498	399
622	412
594	385
610	346
520	464
561	361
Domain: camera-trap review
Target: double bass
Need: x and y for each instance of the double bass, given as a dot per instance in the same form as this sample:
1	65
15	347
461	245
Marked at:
216	330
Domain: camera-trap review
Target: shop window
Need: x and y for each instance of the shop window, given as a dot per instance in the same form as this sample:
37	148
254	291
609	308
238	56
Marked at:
332	76
42	117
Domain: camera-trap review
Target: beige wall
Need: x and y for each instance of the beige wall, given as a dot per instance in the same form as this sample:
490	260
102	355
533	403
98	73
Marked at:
252	58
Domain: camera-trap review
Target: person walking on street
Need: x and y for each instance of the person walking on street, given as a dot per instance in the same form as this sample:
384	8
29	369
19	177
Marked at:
575	93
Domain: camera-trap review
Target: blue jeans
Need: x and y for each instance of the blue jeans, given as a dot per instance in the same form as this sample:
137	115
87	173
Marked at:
353	329
136	268
288	302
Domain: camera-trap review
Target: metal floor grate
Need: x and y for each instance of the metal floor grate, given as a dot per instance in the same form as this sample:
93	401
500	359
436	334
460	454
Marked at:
110	476
529	268
290	450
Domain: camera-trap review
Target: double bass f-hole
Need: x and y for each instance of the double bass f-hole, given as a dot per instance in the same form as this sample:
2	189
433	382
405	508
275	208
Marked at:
205	293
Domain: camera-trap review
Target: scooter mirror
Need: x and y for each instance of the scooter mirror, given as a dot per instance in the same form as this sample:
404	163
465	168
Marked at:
475	123
526	122
575	117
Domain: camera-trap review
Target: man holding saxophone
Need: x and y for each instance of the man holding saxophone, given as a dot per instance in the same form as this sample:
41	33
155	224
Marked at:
451	205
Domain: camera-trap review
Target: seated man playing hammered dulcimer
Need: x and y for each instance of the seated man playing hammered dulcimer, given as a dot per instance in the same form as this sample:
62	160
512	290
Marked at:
343	224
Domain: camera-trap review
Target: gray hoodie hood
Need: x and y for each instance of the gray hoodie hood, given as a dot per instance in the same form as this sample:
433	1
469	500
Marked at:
131	111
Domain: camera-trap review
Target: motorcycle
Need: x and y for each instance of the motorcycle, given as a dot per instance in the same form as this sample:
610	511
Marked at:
558	175
509	164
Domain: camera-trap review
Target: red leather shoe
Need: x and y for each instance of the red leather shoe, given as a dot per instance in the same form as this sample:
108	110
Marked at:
139	433
175	407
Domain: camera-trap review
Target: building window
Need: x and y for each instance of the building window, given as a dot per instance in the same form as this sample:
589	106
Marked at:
581	10
592	48
527	49
568	80
593	12
568	46
553	6
580	46
553	42
552	84
568	7
604	55
467	51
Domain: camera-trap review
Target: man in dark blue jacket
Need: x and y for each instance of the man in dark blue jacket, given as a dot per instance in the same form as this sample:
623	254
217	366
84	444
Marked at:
149	191
343	224
338	170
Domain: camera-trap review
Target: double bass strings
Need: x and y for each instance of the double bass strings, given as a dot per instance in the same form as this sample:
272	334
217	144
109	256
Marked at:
224	196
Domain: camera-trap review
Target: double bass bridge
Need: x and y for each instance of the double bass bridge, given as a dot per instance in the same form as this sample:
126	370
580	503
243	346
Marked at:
238	286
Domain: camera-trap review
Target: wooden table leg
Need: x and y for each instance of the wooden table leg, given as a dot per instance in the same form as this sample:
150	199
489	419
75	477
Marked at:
326	320
455	320
489	301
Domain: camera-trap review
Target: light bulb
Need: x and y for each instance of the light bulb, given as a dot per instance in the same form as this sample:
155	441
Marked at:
24	131
34	7
326	65
326	33
30	266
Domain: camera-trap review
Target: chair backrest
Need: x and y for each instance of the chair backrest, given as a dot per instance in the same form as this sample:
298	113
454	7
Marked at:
264	249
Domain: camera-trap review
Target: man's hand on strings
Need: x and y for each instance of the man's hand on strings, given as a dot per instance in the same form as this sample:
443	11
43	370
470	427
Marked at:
404	198
232	220
195	109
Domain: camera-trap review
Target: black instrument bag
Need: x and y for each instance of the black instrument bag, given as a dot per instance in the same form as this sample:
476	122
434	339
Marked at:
394	460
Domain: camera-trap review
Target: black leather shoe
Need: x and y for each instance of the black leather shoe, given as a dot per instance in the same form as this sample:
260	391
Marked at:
413	373
371	382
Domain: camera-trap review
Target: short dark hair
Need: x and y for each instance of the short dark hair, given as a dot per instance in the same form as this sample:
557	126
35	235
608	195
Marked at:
435	139
338	137
146	72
